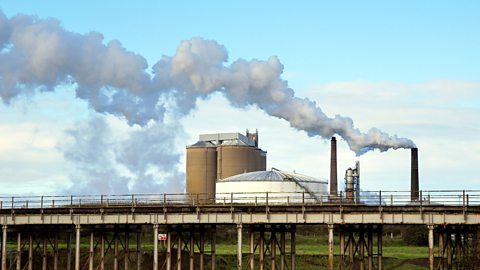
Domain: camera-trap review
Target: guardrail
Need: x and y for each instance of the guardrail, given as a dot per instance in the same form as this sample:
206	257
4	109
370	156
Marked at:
372	198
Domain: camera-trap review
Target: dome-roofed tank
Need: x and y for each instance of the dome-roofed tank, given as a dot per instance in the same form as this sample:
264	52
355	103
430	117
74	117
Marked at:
281	186
202	170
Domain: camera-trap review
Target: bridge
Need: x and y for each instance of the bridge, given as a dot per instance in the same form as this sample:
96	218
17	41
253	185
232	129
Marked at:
43	223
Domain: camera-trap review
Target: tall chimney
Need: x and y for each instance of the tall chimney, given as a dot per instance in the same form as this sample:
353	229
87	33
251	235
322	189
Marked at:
414	176
333	167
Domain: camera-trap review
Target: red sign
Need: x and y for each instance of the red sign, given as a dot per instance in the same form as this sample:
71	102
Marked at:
162	237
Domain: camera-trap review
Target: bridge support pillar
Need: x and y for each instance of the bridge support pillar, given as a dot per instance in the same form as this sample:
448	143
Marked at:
330	246
282	247
30	252
19	251
370	246
91	252
44	254
192	248
169	248
155	246
214	244
102	250
139	247
239	246
202	247
273	250
252	247
77	247
379	246
55	251
179	248
430	247
293	244
4	247
342	248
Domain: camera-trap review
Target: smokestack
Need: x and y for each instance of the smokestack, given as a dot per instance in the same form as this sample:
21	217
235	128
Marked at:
333	167
414	176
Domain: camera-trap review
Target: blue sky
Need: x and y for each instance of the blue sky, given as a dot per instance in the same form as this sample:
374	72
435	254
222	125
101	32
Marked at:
406	67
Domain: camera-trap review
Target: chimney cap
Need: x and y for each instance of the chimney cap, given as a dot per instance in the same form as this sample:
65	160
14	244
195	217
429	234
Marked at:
333	138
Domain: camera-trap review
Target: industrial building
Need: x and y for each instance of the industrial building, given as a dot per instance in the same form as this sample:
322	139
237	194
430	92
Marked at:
221	164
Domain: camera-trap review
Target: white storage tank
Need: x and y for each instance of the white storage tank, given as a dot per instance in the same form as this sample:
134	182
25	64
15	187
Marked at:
278	186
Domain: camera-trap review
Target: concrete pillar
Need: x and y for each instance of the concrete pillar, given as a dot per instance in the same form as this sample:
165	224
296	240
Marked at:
102	251
90	252
213	247
139	247
30	252
192	248
441	247
379	246
293	247
330	246
44	253
155	247
127	248
115	249
239	246
69	249
55	251
370	247
252	248
77	247
282	247
4	247
179	248
261	262
361	245
449	248
202	247
342	248
351	245
19	251
169	249
430	247
273	248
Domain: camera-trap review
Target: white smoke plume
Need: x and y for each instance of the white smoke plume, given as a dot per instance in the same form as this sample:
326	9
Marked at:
37	55
143	162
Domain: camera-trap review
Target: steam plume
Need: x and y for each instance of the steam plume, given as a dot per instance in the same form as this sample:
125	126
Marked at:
39	54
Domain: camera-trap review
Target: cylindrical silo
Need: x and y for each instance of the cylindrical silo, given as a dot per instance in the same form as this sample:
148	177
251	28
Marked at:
201	170
236	159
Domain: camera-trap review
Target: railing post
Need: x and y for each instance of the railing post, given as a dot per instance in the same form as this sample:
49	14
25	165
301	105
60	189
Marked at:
463	198
41	202
380	198
12	202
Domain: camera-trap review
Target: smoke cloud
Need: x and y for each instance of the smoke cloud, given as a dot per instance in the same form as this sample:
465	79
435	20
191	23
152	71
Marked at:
38	54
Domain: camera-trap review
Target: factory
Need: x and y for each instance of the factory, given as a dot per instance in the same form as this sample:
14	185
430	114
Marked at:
231	167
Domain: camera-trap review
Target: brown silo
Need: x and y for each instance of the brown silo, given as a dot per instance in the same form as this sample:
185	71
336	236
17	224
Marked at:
202	170
236	159
218	156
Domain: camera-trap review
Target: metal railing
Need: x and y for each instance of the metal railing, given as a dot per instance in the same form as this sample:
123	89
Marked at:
462	198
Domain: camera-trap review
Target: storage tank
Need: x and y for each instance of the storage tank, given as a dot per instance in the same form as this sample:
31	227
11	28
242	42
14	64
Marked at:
202	170
281	187
218	156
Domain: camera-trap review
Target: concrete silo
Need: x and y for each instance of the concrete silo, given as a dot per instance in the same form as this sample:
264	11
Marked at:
218	156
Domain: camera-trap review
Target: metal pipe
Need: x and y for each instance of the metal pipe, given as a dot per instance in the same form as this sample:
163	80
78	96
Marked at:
239	246
77	247
330	246
414	186
333	167
155	247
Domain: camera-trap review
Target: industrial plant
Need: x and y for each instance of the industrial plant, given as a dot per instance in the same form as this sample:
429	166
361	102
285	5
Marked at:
232	167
